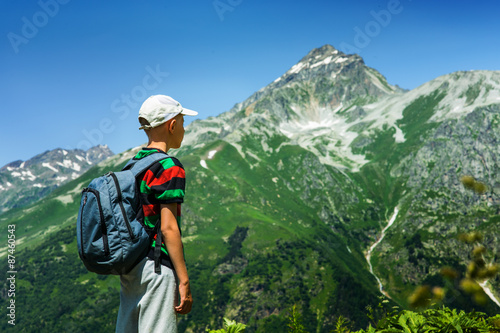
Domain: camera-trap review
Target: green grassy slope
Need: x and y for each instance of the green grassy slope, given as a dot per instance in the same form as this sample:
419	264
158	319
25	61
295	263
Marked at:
255	245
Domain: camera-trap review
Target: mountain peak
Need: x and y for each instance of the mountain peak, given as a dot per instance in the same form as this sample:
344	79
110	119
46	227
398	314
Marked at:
325	60
313	104
322	52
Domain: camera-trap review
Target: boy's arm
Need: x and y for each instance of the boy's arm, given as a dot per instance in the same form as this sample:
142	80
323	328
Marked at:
172	238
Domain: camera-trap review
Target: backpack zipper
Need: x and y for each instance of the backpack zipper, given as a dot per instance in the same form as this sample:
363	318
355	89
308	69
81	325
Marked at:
120	199
104	229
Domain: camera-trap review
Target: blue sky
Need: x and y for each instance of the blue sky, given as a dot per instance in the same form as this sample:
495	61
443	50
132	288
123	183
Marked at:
74	72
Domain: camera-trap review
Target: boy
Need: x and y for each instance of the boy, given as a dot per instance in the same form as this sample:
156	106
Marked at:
148	299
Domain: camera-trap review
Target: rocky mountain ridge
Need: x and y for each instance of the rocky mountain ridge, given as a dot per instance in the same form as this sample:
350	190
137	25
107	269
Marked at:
23	182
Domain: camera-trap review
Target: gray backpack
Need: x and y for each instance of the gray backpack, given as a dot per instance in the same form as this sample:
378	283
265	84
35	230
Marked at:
110	238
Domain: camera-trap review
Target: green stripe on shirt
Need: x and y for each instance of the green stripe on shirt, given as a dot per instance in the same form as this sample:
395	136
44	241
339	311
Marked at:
167	163
144	188
151	221
170	194
144	153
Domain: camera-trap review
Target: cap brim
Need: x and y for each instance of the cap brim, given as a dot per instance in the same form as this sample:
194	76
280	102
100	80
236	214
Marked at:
188	112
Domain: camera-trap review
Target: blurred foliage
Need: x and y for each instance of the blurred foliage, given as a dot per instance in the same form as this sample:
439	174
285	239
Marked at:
442	320
471	183
295	321
477	271
230	326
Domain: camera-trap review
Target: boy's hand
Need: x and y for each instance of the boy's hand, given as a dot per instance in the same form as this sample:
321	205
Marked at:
186	299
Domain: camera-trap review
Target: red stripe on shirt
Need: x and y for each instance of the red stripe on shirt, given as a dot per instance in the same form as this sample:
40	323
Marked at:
148	177
151	210
167	175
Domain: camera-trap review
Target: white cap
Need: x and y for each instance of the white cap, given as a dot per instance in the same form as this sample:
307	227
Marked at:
158	109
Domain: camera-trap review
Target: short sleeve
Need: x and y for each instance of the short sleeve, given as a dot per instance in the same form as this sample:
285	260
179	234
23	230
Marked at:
165	182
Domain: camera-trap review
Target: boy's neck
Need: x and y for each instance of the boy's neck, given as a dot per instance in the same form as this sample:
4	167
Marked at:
159	145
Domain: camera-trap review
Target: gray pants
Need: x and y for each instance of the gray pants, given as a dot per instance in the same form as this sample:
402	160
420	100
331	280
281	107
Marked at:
147	300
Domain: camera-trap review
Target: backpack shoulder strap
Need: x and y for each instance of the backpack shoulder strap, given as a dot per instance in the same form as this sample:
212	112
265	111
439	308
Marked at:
139	166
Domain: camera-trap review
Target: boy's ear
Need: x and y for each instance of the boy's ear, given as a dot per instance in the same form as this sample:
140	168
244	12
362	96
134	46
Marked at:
172	124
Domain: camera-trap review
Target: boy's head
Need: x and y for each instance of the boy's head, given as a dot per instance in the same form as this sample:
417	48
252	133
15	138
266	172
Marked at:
162	118
158	109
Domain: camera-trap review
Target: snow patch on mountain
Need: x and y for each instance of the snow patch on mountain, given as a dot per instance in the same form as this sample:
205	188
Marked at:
47	165
310	62
297	67
81	158
341	60
387	110
325	61
399	136
23	175
211	154
61	179
70	165
324	132
65	199
465	91
254	156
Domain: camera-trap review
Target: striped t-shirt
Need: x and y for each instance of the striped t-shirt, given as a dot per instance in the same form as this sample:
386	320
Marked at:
163	183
